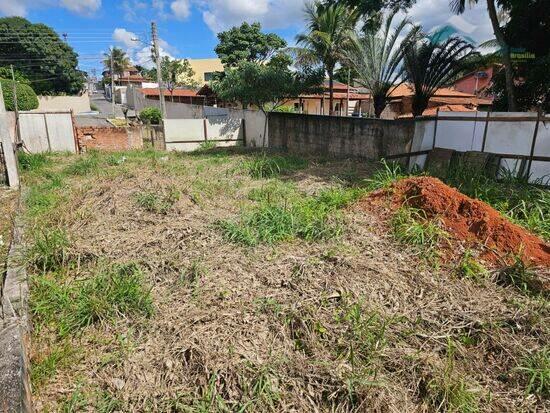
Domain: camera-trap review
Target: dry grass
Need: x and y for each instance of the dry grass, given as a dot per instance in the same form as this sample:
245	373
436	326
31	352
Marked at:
354	322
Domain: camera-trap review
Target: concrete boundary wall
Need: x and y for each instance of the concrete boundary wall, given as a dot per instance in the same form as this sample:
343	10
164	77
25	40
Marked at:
340	136
47	131
188	134
76	104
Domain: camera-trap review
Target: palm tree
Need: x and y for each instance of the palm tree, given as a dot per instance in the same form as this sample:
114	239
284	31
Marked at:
120	61
458	6
376	56
430	65
328	31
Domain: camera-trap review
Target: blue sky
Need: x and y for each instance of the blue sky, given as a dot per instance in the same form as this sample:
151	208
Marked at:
187	28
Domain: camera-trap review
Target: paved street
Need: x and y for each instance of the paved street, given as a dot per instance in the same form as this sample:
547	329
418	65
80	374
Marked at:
104	106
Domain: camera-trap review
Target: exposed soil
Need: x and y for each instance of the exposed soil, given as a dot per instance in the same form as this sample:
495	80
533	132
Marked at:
467	220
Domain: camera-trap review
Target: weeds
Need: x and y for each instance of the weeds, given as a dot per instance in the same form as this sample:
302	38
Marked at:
536	370
519	275
269	166
84	165
450	393
116	290
47	367
32	161
206	146
469	267
384	177
158	203
411	226
49	249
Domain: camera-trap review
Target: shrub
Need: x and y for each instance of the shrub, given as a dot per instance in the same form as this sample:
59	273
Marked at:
26	98
151	115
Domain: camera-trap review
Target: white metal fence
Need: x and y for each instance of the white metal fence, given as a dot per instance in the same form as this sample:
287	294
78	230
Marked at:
521	140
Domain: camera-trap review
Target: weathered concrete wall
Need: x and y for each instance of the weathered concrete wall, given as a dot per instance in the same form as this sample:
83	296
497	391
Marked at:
108	138
77	104
340	136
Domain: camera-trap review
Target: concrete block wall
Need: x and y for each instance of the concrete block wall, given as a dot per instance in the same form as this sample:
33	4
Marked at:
340	136
108	138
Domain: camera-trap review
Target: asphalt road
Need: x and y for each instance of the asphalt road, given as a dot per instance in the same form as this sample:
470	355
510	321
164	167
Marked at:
104	106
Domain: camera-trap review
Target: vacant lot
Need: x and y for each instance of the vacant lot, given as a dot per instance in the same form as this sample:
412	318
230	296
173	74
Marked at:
226	281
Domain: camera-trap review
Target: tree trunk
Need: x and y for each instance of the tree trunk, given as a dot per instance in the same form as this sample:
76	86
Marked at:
379	102
331	91
506	59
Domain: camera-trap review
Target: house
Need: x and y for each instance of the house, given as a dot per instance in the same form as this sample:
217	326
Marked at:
476	82
205	68
400	102
175	95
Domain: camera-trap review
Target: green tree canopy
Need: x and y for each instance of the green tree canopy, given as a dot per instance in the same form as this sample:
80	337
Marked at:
37	52
268	86
176	72
26	97
247	43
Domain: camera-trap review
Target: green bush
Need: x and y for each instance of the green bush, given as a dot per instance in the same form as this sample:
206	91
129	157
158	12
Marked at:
151	115
26	98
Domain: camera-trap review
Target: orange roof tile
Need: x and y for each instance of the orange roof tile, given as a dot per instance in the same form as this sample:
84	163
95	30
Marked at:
444	108
175	92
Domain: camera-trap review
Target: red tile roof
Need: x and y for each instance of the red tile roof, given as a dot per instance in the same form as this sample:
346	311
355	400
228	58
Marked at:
175	92
444	108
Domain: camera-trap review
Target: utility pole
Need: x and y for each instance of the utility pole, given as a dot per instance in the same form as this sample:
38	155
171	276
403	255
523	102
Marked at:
159	71
112	85
16	109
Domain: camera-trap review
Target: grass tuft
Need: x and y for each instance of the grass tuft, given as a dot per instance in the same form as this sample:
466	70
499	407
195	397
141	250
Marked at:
269	166
84	165
49	249
68	307
309	218
384	177
521	276
469	267
158	203
411	226
32	161
536	370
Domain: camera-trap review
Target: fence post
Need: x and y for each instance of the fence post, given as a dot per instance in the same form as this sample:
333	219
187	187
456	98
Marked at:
435	127
205	129
533	143
243	125
485	131
47	133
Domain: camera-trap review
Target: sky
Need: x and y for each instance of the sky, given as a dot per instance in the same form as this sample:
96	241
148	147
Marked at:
188	28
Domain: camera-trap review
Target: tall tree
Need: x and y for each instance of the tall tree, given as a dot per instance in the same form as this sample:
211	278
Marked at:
121	61
38	53
377	55
247	43
458	6
430	65
527	30
267	86
175	71
329	29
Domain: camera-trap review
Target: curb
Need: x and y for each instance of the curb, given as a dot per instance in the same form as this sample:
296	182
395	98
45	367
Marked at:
15	387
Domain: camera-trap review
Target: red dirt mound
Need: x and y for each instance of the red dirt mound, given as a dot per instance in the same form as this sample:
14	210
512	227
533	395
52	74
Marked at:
468	219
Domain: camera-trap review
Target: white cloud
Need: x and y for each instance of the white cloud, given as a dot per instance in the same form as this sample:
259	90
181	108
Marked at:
181	9
85	7
273	14
474	22
138	52
124	37
22	7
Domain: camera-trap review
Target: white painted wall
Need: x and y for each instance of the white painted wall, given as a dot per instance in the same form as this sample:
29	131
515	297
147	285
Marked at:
42	132
188	134
503	137
78	104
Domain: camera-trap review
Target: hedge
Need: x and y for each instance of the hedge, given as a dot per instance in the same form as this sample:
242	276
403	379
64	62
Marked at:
151	115
26	98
